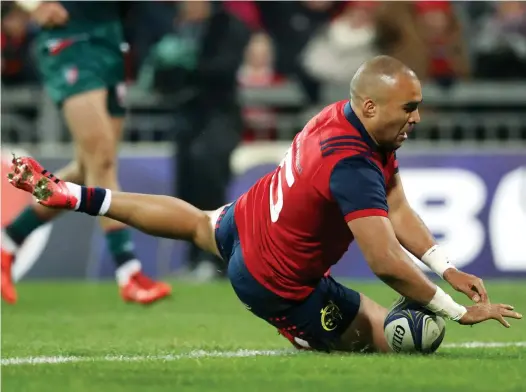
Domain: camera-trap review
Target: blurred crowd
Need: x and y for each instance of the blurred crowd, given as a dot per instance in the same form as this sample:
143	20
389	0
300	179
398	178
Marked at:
263	43
317	40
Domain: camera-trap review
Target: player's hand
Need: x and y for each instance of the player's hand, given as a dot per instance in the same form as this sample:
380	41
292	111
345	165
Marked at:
27	174
486	311
50	14
468	284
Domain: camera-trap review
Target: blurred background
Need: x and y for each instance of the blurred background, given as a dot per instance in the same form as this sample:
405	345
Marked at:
215	92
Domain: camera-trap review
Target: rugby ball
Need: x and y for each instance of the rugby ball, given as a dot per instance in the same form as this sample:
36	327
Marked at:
411	328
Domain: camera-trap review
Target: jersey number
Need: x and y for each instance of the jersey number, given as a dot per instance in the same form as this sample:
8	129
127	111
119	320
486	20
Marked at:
277	205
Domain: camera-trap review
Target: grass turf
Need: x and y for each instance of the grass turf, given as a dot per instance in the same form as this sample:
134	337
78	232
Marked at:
89	321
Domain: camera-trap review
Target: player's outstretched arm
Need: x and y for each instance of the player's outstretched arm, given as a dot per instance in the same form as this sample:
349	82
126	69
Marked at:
414	235
157	215
357	185
377	241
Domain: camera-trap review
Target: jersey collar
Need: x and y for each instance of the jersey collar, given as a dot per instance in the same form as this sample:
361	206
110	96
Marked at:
357	124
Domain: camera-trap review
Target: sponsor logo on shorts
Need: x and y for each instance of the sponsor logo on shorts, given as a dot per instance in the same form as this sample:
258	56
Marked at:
331	317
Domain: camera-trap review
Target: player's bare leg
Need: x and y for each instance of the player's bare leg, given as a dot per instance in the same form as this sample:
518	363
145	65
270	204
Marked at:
157	215
366	332
165	216
97	136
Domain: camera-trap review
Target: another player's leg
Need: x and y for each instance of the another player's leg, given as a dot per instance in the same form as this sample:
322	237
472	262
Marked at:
30	219
129	276
97	136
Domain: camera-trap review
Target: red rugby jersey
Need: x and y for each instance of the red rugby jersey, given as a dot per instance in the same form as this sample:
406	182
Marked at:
292	223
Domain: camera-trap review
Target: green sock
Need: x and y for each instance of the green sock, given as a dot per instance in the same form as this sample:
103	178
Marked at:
120	245
23	225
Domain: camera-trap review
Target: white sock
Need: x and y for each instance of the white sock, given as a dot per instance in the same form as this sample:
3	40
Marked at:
126	271
76	190
8	244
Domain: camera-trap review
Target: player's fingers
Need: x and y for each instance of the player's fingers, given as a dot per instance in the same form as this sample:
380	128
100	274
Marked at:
501	320
482	291
474	296
510	314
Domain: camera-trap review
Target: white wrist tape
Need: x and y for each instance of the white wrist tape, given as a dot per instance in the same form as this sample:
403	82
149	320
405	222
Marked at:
444	306
436	259
29	5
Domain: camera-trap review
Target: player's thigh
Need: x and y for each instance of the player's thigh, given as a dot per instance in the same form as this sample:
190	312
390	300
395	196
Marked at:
366	331
90	124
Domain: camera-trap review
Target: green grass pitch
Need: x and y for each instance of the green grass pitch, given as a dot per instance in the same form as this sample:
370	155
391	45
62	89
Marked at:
192	342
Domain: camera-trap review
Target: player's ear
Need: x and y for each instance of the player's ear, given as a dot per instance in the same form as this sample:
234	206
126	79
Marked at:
369	108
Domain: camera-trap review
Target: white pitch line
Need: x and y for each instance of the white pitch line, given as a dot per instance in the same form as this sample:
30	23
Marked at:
484	345
198	354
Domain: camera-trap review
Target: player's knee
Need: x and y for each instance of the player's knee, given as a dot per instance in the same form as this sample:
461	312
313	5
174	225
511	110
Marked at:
102	160
91	125
365	333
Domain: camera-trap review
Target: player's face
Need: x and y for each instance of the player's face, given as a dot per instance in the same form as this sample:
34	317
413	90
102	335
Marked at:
399	114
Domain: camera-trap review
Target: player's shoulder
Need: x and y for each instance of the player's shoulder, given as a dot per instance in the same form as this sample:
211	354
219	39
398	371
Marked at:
327	118
346	137
330	131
